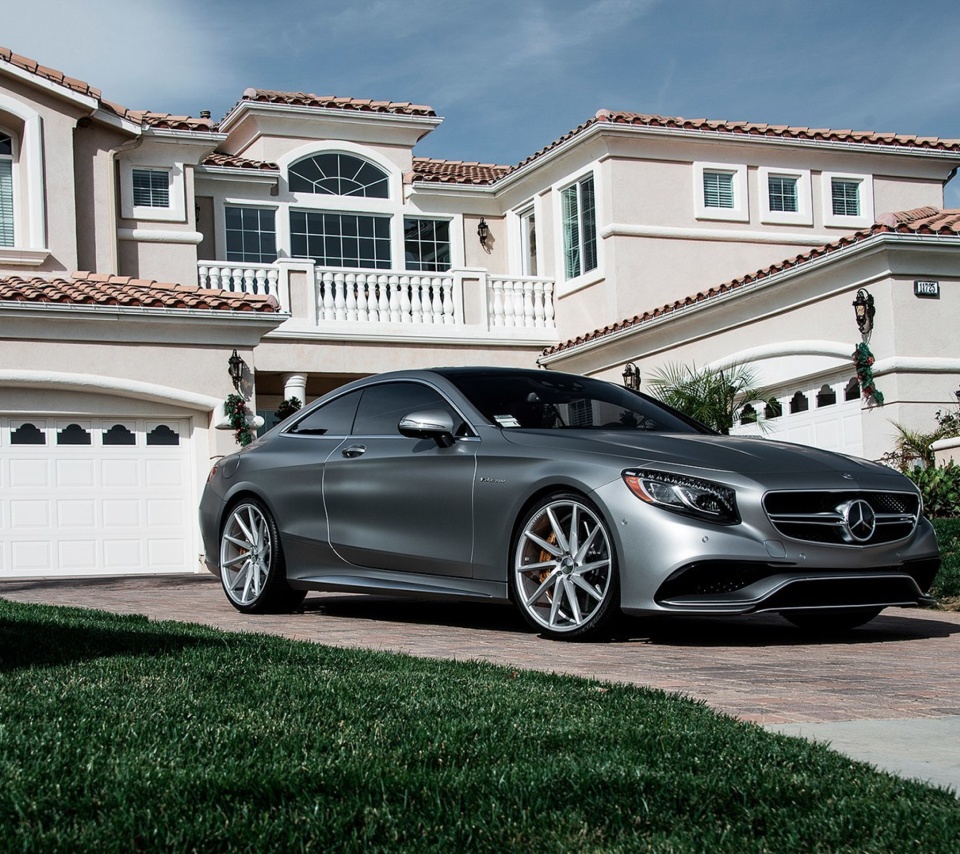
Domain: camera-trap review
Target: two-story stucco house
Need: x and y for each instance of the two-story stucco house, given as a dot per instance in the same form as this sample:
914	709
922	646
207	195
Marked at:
305	234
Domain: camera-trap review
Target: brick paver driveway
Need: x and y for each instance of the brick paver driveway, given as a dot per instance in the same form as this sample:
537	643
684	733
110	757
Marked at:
905	664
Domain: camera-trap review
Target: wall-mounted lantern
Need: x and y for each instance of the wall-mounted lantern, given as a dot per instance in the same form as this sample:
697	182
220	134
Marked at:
865	311
236	369
483	232
631	377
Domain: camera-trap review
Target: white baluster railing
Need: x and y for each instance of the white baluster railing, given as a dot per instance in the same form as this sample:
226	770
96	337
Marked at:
248	279
367	297
394	297
522	302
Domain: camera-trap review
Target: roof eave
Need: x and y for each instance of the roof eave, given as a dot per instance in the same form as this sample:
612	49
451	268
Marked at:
789	141
199	137
236	115
263	176
90	102
271	319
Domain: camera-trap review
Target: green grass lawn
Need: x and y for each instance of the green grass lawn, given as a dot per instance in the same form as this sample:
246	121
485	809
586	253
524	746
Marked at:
121	734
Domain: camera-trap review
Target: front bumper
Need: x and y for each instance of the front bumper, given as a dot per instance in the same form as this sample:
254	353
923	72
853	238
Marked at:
670	563
724	587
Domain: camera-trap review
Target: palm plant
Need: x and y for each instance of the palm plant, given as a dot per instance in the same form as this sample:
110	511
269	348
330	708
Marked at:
710	395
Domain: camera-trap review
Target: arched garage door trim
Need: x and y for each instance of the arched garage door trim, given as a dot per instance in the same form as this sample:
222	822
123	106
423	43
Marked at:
843	352
109	385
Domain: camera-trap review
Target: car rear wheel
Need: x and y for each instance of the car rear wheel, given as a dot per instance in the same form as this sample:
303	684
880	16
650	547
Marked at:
824	621
564	577
252	568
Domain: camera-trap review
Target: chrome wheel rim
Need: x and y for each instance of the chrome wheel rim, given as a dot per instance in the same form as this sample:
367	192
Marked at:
563	566
246	554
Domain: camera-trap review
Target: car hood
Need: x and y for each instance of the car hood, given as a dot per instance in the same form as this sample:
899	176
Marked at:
717	453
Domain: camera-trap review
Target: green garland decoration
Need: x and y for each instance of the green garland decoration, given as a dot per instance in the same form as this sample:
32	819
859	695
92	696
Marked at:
863	360
236	409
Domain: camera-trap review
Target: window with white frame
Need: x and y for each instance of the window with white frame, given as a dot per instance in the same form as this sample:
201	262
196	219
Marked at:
785	196
579	218
782	193
528	243
7	233
426	244
251	235
720	191
338	236
337	174
341	239
845	197
151	188
152	191
847	200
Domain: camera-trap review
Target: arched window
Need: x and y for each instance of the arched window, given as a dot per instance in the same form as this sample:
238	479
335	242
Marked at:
336	174
6	190
339	238
773	409
826	396
748	415
852	391
799	403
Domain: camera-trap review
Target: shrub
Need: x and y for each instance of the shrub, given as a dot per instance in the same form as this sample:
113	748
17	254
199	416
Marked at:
287	408
940	487
947	583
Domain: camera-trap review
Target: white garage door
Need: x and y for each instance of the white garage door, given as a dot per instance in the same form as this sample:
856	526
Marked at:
823	415
82	496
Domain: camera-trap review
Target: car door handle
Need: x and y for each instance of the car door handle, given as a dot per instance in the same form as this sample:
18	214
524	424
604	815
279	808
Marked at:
354	451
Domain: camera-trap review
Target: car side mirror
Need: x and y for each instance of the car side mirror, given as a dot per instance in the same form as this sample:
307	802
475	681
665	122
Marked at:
428	424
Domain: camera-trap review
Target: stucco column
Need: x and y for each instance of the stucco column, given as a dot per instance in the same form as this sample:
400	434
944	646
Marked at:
295	385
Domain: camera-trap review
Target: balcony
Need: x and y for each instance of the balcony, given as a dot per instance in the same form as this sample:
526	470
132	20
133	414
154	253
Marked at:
468	305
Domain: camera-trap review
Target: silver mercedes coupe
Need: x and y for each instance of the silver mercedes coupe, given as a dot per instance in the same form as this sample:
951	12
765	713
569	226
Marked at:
573	498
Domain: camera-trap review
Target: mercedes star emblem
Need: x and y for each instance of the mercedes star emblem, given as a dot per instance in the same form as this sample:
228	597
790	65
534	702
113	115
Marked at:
859	520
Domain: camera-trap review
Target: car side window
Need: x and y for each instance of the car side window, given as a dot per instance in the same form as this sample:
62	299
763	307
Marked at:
331	419
383	405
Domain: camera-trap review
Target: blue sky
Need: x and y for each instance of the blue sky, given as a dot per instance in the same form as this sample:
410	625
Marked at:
510	76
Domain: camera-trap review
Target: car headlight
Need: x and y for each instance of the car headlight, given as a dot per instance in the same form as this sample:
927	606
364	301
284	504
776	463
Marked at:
681	494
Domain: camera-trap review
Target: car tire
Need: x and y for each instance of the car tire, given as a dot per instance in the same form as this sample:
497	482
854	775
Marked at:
252	567
564	576
825	621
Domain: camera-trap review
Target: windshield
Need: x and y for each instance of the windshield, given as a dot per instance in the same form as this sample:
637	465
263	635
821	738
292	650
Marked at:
551	401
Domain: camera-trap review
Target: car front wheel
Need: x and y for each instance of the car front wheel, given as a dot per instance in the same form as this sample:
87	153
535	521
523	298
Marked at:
564	577
252	569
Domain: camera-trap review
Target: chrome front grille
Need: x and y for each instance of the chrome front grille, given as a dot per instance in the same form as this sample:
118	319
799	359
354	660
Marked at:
843	517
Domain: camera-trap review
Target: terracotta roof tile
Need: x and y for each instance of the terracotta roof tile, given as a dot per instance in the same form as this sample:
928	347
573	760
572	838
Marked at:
455	171
866	137
920	221
861	137
166	121
143	117
333	102
232	161
31	65
86	288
